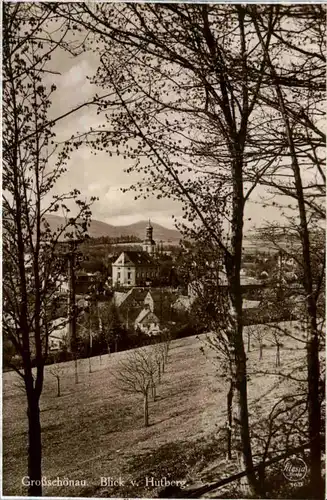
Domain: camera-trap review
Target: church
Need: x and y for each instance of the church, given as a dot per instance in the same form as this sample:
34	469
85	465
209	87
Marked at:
135	267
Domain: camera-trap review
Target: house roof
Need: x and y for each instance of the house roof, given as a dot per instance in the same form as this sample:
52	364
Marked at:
183	302
136	257
250	304
60	328
59	322
132	303
134	297
162	301
159	294
143	314
119	297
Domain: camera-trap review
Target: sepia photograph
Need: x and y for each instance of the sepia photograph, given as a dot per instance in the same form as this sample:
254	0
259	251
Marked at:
163	250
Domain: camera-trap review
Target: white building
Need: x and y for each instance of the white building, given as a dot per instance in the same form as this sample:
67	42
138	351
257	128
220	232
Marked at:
134	268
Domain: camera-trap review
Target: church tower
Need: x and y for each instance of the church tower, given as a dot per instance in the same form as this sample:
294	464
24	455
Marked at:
149	244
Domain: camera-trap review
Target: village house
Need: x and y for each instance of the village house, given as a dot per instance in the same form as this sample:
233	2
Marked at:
147	309
130	304
59	335
147	322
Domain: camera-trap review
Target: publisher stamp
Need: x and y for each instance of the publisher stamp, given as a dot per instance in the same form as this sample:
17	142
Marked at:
295	469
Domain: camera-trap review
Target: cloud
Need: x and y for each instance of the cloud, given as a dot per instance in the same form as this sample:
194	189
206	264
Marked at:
119	208
101	175
75	77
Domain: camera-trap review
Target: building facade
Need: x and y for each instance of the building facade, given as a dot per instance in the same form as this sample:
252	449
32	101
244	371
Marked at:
134	268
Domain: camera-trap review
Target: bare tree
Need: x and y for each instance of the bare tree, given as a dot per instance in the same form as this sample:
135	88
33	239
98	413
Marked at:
277	342
259	333
56	370
137	373
159	356
32	262
111	325
166	338
185	105
293	295
204	267
304	139
198	88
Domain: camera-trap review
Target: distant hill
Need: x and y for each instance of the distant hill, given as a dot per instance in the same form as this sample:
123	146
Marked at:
99	228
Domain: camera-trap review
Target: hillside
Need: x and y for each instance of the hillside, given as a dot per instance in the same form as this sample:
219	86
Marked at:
160	233
99	228
95	430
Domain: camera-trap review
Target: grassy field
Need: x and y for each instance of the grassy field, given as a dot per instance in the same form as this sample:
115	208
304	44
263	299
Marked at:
93	430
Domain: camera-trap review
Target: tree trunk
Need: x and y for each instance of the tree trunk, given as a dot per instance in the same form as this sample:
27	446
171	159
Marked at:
90	365
240	410
166	352
146	409
249	342
278	356
76	368
154	392
233	261
314	416
260	352
242	419
58	386
159	372
229	420
34	445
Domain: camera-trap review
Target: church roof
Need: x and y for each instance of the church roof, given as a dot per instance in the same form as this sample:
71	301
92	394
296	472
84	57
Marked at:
140	258
136	257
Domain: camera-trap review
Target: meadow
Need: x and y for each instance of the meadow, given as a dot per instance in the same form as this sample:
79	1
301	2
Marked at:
94	431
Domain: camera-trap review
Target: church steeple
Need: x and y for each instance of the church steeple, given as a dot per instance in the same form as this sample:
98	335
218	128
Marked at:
149	232
149	244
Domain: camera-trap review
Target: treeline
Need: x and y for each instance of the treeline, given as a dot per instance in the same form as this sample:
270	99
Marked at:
109	240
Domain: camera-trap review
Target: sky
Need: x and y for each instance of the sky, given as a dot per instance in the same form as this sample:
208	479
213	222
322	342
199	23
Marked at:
101	175
98	175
